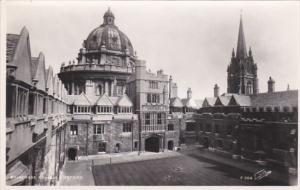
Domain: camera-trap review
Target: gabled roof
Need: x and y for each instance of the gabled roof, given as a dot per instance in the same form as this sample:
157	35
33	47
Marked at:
38	71
276	99
240	100
222	100
81	100
104	101
18	54
49	80
124	101
209	101
199	103
176	102
92	98
189	102
12	41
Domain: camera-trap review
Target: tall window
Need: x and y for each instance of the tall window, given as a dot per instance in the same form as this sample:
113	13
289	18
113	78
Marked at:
10	100
159	118
147	118
170	127
153	84
149	98
127	127
74	130
99	90
98	129
31	104
249	88
153	98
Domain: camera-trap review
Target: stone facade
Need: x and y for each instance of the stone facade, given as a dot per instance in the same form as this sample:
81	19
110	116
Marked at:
35	116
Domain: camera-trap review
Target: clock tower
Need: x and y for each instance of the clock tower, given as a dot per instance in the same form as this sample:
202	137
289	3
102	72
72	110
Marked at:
242	71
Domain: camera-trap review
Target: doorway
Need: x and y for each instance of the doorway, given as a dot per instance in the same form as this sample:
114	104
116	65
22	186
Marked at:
72	153
170	145
152	144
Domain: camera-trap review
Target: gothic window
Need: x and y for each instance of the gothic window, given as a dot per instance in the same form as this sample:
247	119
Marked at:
74	130
149	98
147	118
99	90
119	90
249	87
170	127
127	127
159	118
10	100
98	129
153	84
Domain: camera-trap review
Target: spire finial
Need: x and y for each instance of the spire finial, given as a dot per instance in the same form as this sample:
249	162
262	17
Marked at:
233	54
241	51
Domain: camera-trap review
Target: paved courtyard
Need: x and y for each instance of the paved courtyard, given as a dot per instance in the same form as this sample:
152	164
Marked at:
169	168
179	170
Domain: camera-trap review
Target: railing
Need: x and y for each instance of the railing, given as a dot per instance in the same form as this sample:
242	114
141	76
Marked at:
97	67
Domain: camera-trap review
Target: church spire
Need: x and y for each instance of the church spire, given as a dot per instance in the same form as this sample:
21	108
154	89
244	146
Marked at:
241	51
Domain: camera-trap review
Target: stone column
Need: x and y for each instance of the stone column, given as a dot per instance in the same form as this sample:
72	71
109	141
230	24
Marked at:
111	88
106	87
73	88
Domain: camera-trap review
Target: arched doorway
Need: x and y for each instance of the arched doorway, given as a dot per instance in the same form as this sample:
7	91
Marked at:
117	148
102	147
170	145
152	144
72	153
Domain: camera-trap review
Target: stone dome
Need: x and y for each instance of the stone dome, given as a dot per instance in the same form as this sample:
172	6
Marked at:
108	35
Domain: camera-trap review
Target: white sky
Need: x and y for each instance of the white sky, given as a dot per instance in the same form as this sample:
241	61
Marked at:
192	41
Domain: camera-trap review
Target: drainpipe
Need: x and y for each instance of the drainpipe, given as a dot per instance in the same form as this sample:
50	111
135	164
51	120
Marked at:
87	136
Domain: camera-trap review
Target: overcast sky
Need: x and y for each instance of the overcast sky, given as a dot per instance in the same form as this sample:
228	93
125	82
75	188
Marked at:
192	41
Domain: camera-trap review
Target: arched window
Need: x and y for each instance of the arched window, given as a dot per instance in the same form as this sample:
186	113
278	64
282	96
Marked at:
249	87
99	90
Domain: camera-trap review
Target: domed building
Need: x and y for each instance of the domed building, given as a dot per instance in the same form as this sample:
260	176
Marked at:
104	62
102	118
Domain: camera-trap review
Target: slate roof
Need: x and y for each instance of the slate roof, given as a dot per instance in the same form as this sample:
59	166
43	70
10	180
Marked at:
176	102
11	45
104	99
242	100
199	103
81	100
124	101
275	99
211	101
224	100
189	102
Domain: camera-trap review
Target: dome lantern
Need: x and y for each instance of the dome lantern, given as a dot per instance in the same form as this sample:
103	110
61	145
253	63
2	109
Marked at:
109	18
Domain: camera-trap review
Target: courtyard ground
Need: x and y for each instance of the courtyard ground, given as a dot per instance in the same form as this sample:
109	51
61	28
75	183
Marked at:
190	167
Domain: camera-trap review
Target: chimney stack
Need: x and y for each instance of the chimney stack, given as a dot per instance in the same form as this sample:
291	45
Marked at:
271	85
216	90
189	93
